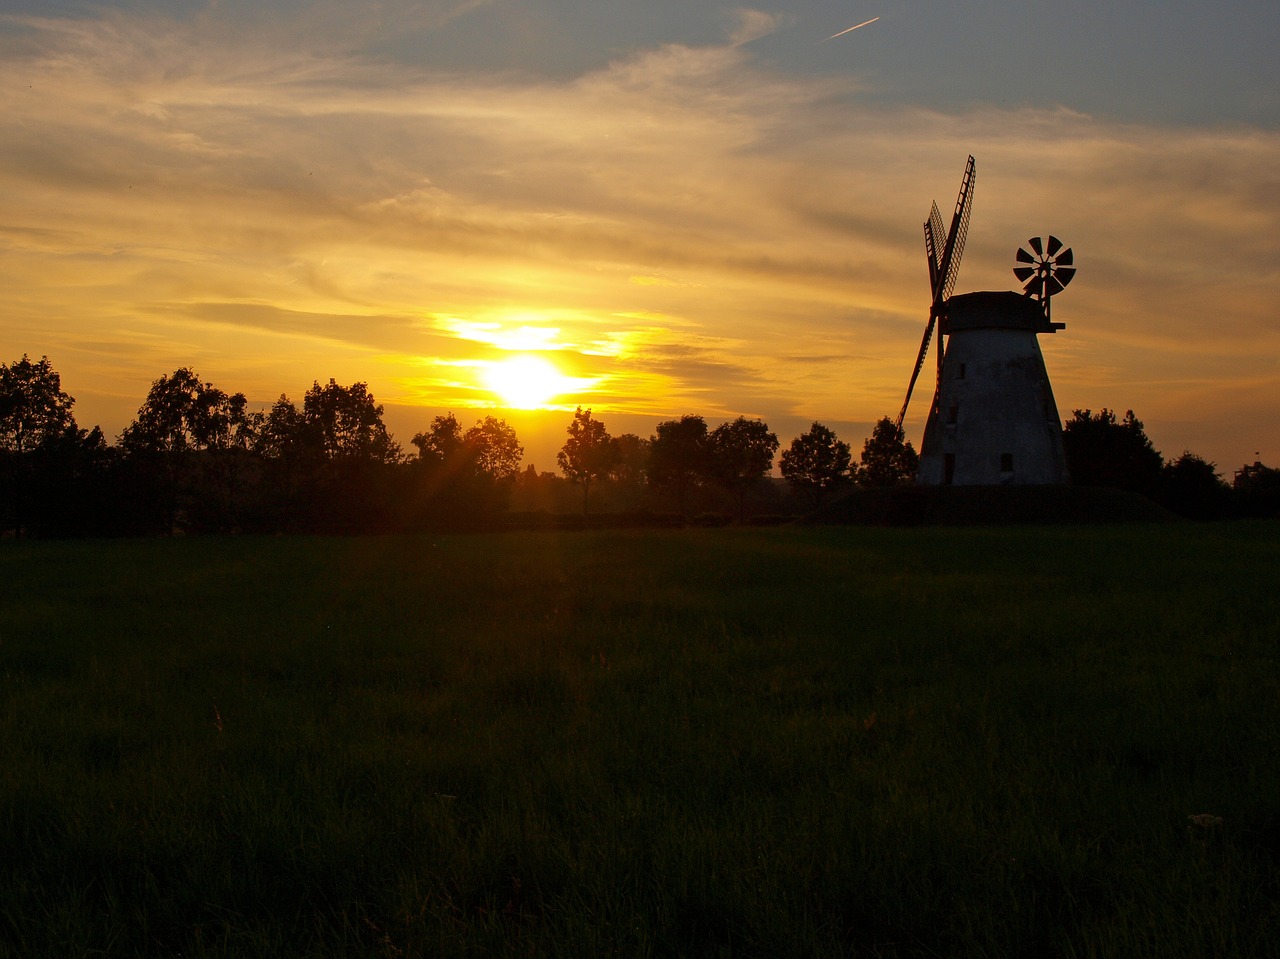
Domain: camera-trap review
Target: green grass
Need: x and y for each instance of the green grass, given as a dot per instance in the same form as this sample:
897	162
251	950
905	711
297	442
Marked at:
769	742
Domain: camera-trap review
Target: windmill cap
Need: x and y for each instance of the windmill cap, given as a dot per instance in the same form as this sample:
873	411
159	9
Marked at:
996	311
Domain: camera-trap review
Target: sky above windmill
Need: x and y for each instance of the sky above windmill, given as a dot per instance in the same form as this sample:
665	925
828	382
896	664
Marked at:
648	208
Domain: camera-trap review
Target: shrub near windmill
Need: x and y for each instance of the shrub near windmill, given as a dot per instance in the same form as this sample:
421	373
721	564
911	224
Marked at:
993	419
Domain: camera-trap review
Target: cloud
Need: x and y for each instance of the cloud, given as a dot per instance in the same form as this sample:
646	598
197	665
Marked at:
752	25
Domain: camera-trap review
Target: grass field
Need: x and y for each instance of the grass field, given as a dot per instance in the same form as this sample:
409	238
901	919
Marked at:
764	742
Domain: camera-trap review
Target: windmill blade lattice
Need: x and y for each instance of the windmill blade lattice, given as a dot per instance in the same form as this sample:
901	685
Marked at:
943	252
959	233
1047	269
935	238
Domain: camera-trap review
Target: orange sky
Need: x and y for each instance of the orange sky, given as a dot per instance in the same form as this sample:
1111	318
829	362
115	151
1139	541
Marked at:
677	227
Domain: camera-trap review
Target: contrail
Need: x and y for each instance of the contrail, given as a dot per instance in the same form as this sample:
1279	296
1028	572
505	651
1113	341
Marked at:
851	29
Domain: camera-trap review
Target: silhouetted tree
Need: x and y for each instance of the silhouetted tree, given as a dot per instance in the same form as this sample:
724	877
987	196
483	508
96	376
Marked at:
192	445
588	454
494	448
357	456
817	462
33	406
1190	486
228	464
347	423
282	434
739	454
678	456
442	443
243	426
180	413
444	486
34	411
179	417
630	470
75	487
537	492
887	459
291	460
1102	451
462	479
329	465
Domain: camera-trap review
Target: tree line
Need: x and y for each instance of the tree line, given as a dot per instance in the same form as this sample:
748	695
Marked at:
694	465
1115	452
197	459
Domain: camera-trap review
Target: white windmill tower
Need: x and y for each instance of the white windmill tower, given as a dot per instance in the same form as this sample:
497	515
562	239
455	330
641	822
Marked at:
993	420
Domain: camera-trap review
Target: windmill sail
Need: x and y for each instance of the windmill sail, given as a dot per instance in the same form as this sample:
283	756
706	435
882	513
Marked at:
915	374
944	266
934	242
956	238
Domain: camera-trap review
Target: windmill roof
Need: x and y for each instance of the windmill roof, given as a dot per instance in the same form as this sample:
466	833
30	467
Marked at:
1002	310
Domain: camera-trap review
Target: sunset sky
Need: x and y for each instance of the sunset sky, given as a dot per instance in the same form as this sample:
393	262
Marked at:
653	208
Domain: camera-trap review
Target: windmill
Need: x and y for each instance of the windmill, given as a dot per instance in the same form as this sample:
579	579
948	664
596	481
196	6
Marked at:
993	419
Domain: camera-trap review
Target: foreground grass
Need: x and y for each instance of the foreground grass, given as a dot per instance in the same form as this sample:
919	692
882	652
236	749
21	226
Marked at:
819	742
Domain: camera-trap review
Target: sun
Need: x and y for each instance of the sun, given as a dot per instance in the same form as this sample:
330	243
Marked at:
526	382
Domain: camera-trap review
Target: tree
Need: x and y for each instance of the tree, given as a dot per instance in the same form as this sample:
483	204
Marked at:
173	422
242	426
282	435
461	479
541	492
630	470
1103	452
182	413
442	443
179	414
740	453
347	423
817	462
678	456
887	459
72	488
494	449
33	407
1190	486
588	454
191	442
34	413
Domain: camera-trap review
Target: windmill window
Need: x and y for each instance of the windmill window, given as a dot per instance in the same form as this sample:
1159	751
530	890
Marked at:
1006	462
953	413
960	373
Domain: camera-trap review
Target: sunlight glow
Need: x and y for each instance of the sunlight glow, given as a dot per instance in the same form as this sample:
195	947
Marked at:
524	332
528	382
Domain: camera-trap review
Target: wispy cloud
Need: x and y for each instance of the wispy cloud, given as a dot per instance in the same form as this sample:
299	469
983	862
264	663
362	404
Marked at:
752	25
